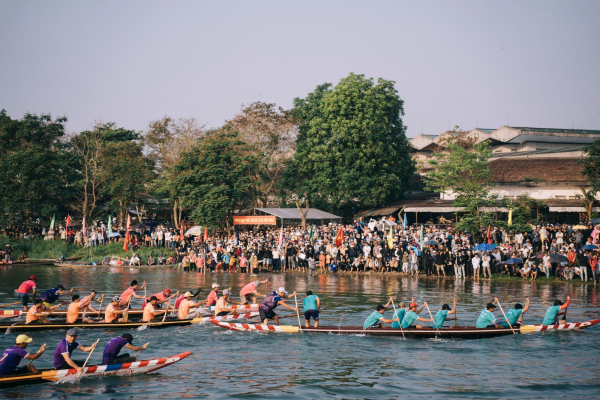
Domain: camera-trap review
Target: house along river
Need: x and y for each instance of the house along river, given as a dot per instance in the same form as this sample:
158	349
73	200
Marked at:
273	365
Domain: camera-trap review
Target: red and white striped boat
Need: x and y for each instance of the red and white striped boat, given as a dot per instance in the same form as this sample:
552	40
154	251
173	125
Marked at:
50	375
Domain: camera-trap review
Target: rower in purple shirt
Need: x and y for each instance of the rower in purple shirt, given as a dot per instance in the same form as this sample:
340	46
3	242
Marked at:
114	346
9	362
62	354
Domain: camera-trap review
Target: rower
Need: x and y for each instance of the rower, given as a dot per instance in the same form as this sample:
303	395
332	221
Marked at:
64	350
552	313
23	291
213	296
87	301
514	316
130	292
161	296
248	294
182	297
9	363
222	307
399	315
74	309
486	318
52	295
36	314
150	311
271	301
312	307
375	319
183	311
113	347
111	314
442	315
412	315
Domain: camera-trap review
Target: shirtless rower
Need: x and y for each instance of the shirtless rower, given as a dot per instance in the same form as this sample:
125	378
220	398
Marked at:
183	308
36	314
182	297
113	310
271	301
130	293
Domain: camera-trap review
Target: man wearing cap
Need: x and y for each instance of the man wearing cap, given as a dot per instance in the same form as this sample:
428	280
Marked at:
52	295
248	294
213	296
9	362
271	301
23	291
130	292
111	314
184	306
36	314
150	311
375	319
552	313
486	318
161	297
222	306
113	347
442	315
64	350
412	315
182	297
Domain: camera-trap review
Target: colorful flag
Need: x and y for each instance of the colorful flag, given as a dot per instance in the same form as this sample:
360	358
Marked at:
281	236
489	234
206	234
421	237
391	239
68	221
405	222
311	233
126	243
53	221
339	238
510	217
109	224
84	226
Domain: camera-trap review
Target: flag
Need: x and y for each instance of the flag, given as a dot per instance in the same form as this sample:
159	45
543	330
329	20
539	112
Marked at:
53	221
281	236
339	238
84	225
68	221
181	230
237	237
489	234
510	217
126	243
311	233
421	237
109	224
206	234
391	239
405	222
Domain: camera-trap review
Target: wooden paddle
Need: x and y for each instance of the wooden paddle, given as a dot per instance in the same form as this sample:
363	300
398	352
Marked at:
10	304
511	328
136	354
298	312
399	322
29	363
434	324
88	358
100	308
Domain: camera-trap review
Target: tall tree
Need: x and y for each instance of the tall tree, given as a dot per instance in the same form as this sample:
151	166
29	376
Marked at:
215	177
352	148
36	171
167	139
591	170
270	131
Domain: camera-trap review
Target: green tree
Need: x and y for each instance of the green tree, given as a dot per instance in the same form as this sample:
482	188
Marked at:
36	170
215	177
351	148
591	170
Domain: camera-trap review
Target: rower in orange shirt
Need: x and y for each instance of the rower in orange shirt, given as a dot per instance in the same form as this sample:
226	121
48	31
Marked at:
111	314
150	312
35	315
130	292
183	312
87	301
74	309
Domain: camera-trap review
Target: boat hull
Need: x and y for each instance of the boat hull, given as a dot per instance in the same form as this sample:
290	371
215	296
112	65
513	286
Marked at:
138	367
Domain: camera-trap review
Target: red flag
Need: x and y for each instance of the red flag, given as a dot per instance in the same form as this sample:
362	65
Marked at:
205	234
339	239
489	234
126	244
68	220
181	231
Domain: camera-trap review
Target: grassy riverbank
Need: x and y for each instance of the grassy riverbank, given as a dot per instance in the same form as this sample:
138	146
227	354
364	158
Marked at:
37	248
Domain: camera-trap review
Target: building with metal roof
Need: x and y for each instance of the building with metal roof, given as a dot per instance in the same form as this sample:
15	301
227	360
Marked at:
292	215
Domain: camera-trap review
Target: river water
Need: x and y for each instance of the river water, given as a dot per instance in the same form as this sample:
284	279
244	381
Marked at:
258	365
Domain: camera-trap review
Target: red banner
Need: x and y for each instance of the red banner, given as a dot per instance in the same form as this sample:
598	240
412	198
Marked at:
255	220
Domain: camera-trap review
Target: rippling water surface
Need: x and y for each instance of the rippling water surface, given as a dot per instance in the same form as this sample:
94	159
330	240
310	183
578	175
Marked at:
257	365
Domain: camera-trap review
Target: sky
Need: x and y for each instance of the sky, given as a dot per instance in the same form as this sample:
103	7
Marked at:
467	63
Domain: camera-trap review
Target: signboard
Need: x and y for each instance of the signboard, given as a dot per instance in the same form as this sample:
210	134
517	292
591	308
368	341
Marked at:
255	220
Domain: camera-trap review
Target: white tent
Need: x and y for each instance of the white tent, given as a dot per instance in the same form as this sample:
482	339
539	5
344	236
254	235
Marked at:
196	230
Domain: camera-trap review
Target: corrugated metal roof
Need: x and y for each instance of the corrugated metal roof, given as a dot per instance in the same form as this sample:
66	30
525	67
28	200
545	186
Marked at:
293	213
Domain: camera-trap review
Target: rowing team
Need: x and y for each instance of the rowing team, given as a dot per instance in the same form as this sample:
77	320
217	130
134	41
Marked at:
63	353
406	317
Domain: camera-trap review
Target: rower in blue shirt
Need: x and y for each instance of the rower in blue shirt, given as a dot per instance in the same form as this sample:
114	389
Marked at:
376	320
515	315
52	295
553	312
412	315
442	315
486	318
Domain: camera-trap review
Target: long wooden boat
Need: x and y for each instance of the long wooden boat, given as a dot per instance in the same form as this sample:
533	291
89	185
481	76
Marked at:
98	265
169	321
40	261
51	375
465	332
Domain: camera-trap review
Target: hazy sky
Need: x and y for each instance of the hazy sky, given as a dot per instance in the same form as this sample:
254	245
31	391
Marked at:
463	63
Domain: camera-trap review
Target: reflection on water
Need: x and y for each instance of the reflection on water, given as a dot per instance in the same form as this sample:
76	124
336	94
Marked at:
258	365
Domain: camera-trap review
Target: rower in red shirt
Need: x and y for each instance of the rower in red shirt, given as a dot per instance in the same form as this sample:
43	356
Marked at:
23	291
213	296
161	297
131	293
